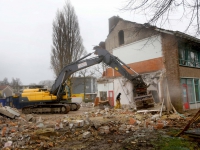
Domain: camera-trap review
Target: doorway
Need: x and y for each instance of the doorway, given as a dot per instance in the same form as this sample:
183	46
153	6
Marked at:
111	98
186	104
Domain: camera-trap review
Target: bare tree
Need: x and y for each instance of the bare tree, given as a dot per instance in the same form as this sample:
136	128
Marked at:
67	42
162	12
85	73
15	84
47	83
99	70
4	82
32	84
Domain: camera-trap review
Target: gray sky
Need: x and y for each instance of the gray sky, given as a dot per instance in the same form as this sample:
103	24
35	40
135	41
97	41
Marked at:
26	33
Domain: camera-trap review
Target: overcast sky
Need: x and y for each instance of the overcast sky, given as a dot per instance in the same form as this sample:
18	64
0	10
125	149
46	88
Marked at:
26	33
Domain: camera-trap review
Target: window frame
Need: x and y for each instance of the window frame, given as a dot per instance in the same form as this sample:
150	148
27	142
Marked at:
185	60
185	81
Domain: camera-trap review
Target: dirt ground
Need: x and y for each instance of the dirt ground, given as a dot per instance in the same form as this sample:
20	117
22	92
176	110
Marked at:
140	139
109	129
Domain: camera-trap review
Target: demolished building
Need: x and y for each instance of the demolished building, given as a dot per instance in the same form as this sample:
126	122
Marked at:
167	60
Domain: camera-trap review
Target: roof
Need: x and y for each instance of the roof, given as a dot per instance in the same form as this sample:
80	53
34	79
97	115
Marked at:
179	34
175	33
2	87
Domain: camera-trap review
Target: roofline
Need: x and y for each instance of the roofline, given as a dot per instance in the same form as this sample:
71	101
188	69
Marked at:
175	33
179	34
8	88
163	31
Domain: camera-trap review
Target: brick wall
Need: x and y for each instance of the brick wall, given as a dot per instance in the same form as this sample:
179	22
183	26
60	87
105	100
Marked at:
140	67
189	72
171	63
132	32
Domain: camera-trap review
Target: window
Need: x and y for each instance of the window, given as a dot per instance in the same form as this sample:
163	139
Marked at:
189	56
103	95
196	84
190	89
121	37
182	56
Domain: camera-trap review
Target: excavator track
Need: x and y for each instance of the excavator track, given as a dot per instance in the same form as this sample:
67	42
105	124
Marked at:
74	106
47	108
51	108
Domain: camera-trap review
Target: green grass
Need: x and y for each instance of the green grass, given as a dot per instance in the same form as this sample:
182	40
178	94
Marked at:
174	143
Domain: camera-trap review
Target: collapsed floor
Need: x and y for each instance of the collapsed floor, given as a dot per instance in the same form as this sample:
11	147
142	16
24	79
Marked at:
92	128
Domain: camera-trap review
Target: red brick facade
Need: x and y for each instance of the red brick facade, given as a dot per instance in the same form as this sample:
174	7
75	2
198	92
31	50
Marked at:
140	67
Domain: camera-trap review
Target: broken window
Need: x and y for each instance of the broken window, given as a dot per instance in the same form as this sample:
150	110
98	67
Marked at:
188	56
103	95
182	56
121	37
193	60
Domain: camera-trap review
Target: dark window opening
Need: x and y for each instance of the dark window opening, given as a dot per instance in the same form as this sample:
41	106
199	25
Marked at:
189	56
103	95
121	37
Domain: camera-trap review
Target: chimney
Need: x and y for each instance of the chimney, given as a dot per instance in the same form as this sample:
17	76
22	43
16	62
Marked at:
113	22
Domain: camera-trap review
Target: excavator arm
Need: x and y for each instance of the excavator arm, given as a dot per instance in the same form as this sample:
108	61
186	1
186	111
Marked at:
70	69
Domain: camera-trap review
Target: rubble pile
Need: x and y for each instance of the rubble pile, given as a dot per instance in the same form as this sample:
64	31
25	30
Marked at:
9	112
80	131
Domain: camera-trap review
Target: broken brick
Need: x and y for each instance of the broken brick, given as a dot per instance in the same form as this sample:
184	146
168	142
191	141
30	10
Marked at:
132	121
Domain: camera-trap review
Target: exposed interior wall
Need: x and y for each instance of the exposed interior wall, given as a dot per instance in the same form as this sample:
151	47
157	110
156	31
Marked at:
105	86
125	87
121	85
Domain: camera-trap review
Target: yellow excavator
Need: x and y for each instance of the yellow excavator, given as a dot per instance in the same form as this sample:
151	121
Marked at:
57	100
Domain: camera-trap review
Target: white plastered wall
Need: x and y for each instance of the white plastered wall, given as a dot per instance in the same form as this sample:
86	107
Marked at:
106	86
123	86
148	48
118	85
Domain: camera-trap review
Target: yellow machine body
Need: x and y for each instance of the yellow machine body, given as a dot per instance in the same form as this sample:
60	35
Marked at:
37	95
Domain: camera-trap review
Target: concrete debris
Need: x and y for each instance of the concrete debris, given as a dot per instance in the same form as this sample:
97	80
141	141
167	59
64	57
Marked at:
8	144
78	123
86	134
58	125
34	131
104	130
29	117
155	117
12	111
6	113
40	125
